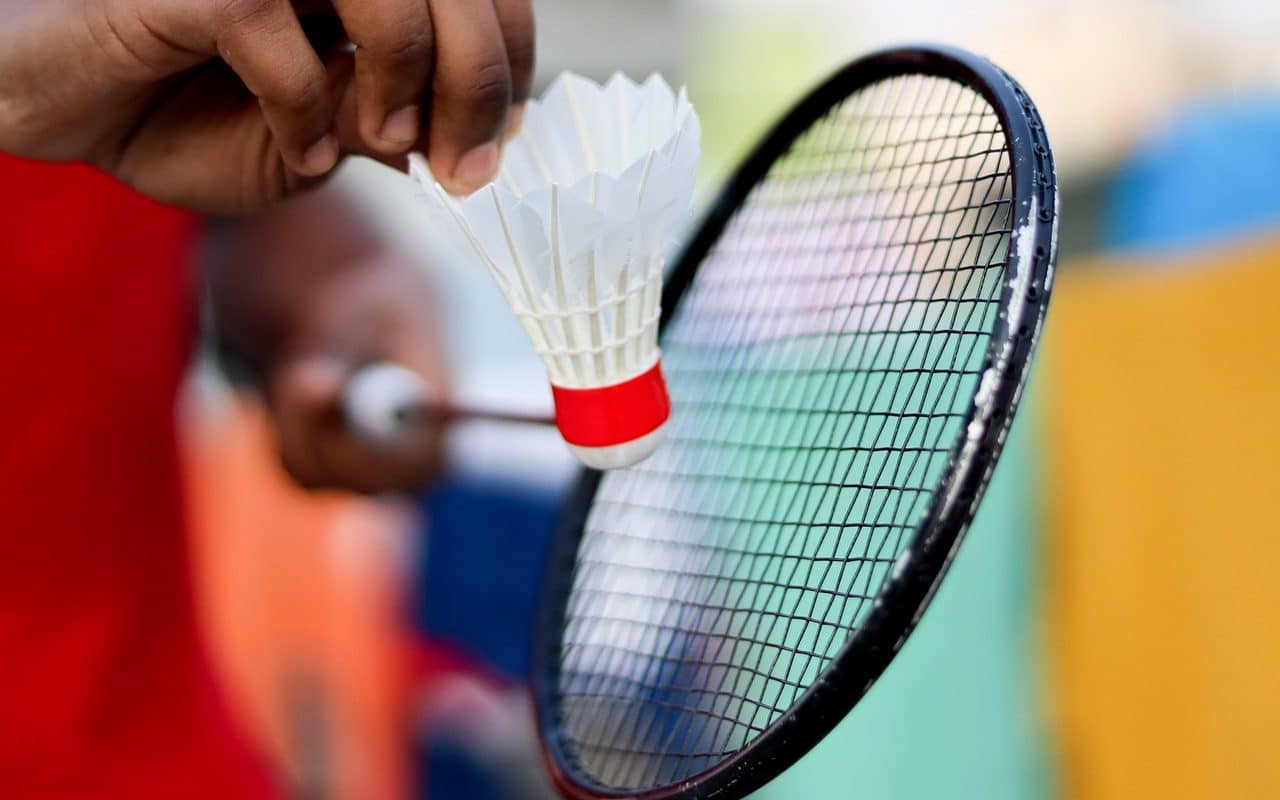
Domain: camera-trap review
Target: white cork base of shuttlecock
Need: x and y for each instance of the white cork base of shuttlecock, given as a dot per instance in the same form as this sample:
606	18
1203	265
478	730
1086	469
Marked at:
617	456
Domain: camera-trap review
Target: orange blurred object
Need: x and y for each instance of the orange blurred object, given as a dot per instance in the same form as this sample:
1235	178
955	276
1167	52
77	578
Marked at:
1165	457
301	597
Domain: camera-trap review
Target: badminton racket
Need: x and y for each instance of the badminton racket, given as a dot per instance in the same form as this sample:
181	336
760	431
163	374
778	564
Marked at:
382	402
845	341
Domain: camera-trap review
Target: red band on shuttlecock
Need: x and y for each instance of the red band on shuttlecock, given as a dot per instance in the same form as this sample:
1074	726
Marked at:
607	415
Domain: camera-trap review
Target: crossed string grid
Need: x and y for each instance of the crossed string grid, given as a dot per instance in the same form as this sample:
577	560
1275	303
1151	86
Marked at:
820	367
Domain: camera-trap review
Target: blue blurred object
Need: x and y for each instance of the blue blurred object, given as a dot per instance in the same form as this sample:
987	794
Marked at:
486	543
1212	173
451	774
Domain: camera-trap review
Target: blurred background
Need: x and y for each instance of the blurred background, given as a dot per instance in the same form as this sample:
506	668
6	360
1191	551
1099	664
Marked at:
1106	630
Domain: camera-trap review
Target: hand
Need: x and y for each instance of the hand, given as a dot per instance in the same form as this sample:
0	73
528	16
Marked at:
375	312
224	106
304	296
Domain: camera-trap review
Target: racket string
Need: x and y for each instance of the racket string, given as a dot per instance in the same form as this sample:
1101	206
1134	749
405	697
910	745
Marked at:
815	366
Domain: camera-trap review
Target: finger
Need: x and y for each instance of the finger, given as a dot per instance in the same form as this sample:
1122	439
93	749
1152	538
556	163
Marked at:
263	41
471	94
414	452
321	450
352	464
516	19
346	125
304	395
394	42
400	457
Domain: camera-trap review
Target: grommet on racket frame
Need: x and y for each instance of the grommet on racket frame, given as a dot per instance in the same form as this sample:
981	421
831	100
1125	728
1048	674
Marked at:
846	340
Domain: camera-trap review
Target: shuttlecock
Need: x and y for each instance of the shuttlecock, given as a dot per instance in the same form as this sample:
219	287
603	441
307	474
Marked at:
575	230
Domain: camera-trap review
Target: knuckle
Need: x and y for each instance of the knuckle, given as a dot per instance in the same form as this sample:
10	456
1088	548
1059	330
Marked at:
299	92
406	50
488	89
237	13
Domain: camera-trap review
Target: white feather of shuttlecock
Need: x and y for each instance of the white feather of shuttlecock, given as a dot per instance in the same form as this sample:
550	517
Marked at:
576	227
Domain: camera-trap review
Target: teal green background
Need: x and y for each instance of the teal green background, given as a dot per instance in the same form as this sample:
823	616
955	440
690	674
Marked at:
957	714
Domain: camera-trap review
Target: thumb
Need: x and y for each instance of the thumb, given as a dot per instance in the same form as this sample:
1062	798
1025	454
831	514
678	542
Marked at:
310	385
304	395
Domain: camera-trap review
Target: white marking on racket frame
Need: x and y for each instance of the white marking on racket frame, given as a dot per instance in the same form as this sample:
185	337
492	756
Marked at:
995	375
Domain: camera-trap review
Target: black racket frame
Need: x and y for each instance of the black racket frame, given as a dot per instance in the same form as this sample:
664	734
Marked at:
906	593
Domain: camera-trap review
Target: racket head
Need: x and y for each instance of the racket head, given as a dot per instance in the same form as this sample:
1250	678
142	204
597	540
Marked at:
616	707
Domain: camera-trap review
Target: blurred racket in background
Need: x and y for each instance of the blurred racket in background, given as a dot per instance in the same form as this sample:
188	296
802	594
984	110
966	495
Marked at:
846	339
384	402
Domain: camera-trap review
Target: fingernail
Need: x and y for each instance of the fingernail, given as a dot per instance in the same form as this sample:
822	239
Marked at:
401	127
321	156
476	167
514	118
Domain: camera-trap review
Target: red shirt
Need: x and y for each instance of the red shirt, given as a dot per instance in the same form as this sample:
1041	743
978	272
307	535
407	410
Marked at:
105	691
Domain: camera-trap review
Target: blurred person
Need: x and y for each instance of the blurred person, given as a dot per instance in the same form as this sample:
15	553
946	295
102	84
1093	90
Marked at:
301	296
216	106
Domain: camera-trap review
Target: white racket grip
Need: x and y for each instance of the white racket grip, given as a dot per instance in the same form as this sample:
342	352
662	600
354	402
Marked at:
380	399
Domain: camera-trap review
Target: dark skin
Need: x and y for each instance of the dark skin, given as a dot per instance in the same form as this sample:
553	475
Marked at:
328	298
230	106
226	106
